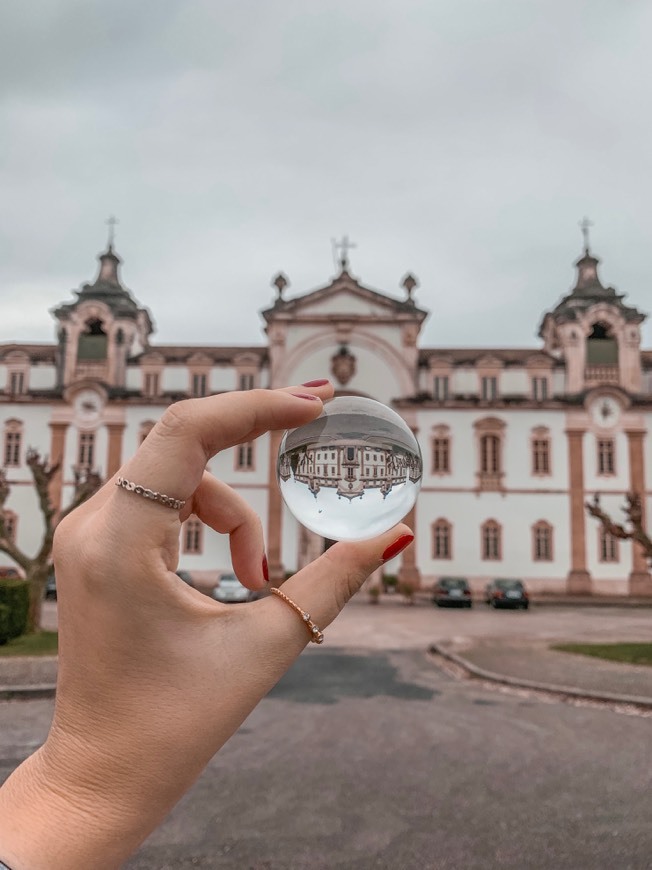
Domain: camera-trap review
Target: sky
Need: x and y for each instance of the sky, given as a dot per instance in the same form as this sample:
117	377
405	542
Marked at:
460	140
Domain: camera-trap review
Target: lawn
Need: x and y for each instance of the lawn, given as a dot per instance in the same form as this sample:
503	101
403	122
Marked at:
630	653
42	644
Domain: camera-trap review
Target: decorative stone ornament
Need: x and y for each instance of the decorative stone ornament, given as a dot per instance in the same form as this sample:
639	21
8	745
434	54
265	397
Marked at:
343	365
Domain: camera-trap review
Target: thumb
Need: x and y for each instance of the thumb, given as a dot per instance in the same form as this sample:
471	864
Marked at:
324	587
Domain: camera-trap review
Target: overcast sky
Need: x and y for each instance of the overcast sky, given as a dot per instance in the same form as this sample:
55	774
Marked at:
462	140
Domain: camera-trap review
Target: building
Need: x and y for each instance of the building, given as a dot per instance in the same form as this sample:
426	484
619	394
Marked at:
514	441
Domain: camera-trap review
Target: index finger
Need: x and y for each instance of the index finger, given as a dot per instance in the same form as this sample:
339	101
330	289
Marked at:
173	457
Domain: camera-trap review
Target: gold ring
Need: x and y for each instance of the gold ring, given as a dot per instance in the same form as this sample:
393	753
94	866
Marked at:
316	636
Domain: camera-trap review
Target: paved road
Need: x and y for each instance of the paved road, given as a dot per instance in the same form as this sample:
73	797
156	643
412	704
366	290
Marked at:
363	758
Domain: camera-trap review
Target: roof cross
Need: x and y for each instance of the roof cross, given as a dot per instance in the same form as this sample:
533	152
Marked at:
585	224
111	222
345	246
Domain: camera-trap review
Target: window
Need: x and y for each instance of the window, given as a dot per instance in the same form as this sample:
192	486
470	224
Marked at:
489	388
542	542
490	454
198	385
606	456
491	541
152	380
10	522
86	450
541	455
145	428
13	443
608	546
539	389
441	455
246	382
245	456
17	383
440	388
193	534
442	540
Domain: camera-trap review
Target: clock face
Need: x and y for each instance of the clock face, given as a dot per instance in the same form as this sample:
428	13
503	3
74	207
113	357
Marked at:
88	408
605	412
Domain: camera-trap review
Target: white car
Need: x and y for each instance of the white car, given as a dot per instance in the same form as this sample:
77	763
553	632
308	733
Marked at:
230	590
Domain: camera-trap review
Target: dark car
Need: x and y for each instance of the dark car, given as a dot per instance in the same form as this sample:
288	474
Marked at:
51	586
186	576
506	593
452	592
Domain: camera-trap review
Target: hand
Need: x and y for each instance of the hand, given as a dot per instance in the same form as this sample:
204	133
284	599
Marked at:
154	677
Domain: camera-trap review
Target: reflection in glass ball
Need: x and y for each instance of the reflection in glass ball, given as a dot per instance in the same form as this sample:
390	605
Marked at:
352	473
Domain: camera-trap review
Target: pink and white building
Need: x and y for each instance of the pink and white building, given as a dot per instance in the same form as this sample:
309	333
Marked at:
514	441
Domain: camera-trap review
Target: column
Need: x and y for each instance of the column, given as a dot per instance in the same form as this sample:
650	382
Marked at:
114	452
274	515
409	573
57	453
640	582
578	581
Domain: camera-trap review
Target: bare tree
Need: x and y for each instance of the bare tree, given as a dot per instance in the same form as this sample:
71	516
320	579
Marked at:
37	566
632	528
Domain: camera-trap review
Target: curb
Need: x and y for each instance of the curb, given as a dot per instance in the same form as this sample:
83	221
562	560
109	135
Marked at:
560	692
26	693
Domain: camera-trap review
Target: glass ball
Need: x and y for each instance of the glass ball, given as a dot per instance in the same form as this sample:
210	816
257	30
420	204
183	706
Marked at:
352	473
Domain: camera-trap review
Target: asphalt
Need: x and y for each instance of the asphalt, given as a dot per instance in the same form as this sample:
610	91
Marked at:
517	662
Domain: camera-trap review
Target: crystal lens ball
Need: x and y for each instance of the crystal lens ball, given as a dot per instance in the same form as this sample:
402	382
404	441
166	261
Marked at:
352	473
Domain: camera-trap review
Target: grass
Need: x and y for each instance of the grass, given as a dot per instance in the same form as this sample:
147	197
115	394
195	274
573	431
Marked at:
630	653
44	643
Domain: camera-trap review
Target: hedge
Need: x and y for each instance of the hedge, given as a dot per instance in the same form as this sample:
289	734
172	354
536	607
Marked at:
4	624
14	595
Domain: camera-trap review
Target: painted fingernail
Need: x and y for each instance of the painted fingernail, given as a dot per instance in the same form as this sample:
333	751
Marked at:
305	396
319	383
265	568
395	548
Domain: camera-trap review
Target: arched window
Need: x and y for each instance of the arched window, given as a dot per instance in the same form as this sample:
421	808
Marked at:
10	520
490	433
442	540
540	441
13	443
244	457
608	546
193	536
93	341
491	541
86	450
542	541
145	428
601	346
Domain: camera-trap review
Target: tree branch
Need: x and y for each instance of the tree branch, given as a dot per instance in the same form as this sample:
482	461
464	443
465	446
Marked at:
633	511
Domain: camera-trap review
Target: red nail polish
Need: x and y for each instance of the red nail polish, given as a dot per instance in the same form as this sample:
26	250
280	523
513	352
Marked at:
305	396
265	568
395	548
319	383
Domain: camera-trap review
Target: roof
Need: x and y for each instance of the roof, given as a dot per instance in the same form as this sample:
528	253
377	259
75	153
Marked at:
513	356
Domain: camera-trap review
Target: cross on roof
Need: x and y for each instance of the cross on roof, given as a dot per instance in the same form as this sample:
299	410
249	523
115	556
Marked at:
585	224
345	245
111	222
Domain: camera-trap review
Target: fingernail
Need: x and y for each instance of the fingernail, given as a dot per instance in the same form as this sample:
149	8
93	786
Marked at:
319	383
306	396
265	568
395	548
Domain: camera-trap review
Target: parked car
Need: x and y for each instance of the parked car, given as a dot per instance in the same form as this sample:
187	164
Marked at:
51	586
507	593
230	590
452	592
186	576
6	571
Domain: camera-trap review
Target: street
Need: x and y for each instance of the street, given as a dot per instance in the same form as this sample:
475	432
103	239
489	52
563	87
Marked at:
367	756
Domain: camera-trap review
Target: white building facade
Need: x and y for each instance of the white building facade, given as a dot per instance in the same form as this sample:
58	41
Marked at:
514	441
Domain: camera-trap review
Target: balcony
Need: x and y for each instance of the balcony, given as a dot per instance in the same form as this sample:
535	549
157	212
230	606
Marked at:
601	374
490	481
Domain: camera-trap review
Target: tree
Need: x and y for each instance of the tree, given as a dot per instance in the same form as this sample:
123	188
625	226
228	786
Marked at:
632	529
36	567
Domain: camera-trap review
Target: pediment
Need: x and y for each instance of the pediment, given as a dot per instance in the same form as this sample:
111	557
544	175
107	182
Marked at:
489	361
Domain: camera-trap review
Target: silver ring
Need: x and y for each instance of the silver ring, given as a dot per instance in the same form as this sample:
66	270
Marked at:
166	500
